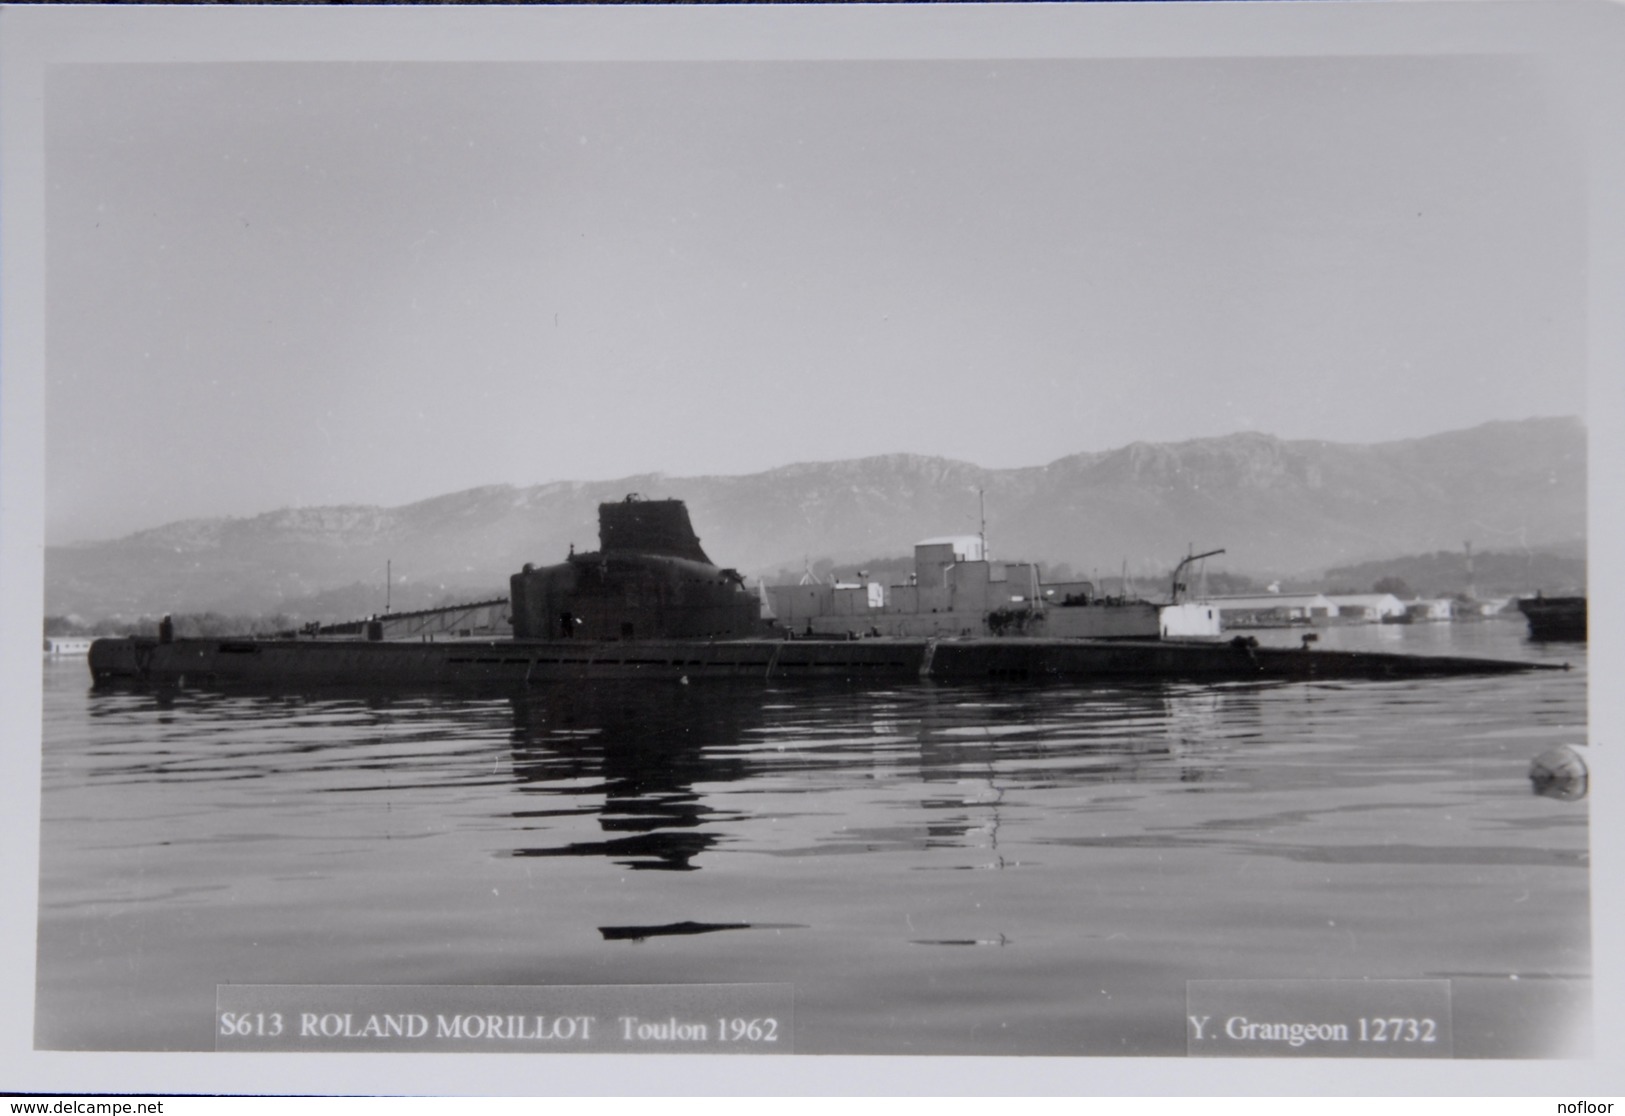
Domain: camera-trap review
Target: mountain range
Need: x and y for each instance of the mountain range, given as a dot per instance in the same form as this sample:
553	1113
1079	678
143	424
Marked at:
1277	507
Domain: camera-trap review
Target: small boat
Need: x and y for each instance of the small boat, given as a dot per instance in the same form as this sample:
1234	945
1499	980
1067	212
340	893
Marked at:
1558	618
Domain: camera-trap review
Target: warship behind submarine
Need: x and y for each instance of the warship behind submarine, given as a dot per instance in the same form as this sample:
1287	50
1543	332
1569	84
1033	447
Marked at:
650	604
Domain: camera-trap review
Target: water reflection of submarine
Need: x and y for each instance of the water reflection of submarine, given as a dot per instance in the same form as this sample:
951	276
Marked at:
1561	772
631	756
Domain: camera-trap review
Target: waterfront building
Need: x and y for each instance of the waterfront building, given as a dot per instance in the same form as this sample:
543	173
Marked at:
1274	610
1368	608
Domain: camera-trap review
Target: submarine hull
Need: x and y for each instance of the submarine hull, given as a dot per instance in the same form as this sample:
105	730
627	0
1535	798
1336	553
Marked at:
277	663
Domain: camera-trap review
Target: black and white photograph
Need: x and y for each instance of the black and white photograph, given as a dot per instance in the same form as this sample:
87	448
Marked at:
946	534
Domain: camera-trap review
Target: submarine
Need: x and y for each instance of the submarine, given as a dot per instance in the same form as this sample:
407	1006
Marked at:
651	604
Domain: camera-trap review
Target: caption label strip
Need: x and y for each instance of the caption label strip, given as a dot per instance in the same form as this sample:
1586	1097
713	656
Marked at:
1318	1019
564	1019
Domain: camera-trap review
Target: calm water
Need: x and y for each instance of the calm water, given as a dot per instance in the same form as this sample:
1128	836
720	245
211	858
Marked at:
935	868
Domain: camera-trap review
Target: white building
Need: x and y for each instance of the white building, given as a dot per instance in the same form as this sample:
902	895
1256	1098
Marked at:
1265	610
59	646
1368	608
1426	610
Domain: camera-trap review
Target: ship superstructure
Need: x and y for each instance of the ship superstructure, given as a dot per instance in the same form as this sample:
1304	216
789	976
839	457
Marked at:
649	579
956	590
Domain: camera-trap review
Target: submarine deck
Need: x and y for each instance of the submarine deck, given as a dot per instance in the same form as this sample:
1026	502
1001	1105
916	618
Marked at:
271	662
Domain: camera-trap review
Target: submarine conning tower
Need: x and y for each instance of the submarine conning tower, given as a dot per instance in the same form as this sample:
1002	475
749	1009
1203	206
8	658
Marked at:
636	526
649	579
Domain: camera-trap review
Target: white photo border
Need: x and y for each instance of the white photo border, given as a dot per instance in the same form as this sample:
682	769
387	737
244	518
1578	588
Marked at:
1583	42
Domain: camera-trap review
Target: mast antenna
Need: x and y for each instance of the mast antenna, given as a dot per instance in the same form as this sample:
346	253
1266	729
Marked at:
981	506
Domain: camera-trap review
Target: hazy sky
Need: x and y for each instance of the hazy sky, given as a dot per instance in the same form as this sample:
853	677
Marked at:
283	284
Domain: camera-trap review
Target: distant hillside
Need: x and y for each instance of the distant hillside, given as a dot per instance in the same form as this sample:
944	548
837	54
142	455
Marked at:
1444	573
1278	507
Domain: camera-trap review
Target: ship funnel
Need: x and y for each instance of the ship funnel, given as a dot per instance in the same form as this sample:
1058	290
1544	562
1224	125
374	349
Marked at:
649	527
